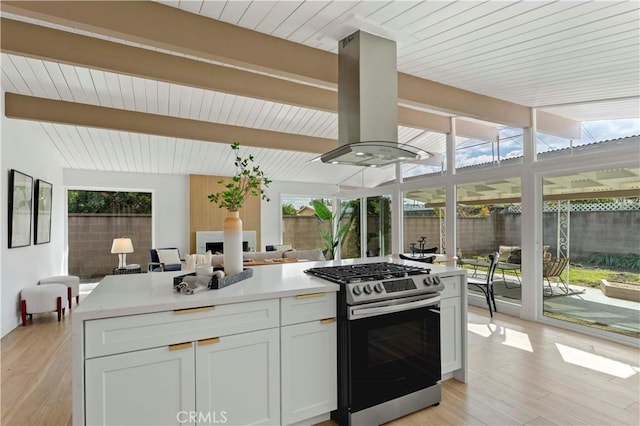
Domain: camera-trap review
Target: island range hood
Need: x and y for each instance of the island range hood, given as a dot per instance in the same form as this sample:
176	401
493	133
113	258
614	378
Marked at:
368	104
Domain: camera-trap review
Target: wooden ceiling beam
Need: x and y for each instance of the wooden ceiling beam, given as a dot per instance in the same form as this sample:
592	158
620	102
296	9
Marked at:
72	113
148	23
157	25
24	39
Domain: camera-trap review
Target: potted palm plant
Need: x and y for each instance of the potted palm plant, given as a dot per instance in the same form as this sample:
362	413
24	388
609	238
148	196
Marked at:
249	180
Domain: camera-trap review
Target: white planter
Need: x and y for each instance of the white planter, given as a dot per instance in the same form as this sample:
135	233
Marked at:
232	230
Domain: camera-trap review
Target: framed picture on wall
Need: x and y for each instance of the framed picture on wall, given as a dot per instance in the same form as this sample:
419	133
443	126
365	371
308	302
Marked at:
20	202
42	217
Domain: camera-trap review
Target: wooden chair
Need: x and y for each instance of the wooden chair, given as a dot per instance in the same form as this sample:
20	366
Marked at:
553	268
486	284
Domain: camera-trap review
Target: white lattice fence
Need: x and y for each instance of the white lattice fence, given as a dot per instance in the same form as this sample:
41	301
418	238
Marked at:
616	205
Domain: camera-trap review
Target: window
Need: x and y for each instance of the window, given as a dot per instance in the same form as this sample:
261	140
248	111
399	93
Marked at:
592	132
591	270
95	218
423	219
300	227
378	226
489	220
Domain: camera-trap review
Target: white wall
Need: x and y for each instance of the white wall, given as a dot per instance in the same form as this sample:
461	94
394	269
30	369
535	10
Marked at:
271	221
170	198
24	266
26	148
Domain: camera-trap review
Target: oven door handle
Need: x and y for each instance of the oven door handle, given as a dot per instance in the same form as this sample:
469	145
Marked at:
358	313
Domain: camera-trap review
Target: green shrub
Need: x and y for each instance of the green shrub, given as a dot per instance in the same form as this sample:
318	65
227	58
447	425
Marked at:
628	261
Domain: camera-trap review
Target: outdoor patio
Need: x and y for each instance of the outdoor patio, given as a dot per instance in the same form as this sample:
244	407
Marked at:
586	305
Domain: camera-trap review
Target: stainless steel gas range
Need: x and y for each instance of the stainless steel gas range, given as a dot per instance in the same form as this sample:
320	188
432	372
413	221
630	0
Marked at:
388	340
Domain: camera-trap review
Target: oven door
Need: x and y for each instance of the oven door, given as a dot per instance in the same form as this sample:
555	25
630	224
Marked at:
393	353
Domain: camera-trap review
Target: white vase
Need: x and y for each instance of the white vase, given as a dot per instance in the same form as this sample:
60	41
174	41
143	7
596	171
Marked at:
232	248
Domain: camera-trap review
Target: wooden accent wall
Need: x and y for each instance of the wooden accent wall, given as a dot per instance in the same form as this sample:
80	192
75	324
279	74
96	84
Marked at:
206	216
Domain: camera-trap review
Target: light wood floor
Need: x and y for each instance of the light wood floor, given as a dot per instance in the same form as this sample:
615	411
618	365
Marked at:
521	373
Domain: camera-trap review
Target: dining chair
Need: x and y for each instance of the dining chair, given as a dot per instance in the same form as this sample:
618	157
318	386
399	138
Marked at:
486	284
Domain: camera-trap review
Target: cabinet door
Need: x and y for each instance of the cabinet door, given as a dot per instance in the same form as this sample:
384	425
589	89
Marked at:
148	387
309	370
238	378
450	329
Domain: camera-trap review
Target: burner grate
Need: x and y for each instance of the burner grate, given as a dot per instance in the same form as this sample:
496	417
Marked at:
366	272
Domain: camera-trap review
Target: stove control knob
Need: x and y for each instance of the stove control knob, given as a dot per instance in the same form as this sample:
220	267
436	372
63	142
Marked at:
436	280
356	290
367	289
378	288
427	281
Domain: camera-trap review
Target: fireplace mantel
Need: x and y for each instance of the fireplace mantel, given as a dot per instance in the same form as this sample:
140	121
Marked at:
204	237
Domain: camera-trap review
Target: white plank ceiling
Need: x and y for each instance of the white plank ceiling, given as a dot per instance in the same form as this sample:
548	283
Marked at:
577	59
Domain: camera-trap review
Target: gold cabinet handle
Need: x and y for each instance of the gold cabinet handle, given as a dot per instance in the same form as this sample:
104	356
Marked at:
179	346
310	295
208	341
193	310
327	320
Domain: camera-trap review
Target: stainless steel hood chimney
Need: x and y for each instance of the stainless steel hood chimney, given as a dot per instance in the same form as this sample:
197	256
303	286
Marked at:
368	104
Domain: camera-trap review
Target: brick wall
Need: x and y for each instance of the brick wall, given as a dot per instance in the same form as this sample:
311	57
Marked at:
302	232
591	232
91	236
596	232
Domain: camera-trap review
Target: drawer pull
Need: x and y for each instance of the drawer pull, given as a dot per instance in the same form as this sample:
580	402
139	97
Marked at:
208	341
327	320
179	346
193	310
310	295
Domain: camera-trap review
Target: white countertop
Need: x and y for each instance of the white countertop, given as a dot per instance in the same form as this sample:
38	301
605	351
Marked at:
119	295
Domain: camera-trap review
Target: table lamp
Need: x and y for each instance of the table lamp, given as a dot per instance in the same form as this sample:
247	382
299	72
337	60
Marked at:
122	246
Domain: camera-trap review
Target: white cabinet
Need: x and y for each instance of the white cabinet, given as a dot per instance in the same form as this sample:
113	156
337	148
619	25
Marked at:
238	378
129	333
450	329
148	387
230	364
232	377
308	357
309	370
453	321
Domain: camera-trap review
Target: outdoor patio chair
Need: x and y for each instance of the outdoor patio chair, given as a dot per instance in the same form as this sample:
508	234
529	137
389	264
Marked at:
553	268
486	284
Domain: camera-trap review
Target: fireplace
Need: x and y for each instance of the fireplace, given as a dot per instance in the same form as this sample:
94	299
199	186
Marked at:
218	247
217	237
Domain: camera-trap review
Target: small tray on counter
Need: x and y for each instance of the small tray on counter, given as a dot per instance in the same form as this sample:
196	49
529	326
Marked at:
216	283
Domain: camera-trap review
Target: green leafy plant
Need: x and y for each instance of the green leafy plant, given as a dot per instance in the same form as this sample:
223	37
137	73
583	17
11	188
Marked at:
289	209
81	201
249	180
329	238
628	261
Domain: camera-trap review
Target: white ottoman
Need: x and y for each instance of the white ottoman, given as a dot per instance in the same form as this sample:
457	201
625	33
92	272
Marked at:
42	298
71	281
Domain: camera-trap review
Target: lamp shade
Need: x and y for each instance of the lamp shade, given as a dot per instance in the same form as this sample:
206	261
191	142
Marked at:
121	245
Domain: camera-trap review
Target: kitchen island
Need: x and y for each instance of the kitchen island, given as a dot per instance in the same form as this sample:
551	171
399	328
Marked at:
145	354
261	351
